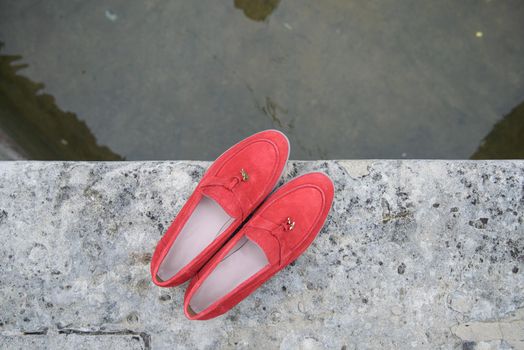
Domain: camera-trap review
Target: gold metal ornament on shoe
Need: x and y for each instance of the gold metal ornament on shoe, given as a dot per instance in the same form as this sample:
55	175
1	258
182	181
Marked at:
290	224
245	176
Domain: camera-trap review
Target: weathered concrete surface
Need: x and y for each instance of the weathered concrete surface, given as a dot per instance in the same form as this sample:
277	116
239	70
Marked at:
415	254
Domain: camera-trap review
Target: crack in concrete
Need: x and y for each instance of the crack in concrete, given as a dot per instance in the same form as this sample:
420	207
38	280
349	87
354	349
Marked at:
42	331
145	337
508	329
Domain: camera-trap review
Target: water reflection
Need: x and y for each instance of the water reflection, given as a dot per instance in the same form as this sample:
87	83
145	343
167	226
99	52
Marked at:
37	125
506	139
257	10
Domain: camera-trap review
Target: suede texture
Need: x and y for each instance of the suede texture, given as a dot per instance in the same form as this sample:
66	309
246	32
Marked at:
306	200
263	157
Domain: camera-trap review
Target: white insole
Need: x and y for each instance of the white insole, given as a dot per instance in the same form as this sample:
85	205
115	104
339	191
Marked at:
207	221
245	259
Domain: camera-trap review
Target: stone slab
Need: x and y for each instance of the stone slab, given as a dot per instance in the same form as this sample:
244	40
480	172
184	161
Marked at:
415	254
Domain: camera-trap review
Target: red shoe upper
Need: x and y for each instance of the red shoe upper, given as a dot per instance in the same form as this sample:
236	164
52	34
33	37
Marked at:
283	227
239	180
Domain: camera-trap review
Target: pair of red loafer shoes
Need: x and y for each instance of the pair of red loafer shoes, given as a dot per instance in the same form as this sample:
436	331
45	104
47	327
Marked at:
223	272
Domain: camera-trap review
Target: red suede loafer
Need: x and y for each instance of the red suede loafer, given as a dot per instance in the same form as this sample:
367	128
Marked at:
277	233
233	186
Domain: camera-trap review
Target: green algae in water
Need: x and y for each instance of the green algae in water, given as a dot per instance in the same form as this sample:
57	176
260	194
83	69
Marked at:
506	139
37	125
257	10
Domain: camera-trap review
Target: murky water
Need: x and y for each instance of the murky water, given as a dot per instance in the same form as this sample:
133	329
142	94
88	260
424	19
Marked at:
39	128
185	80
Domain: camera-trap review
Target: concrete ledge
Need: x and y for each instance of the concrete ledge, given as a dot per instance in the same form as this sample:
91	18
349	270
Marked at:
415	254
